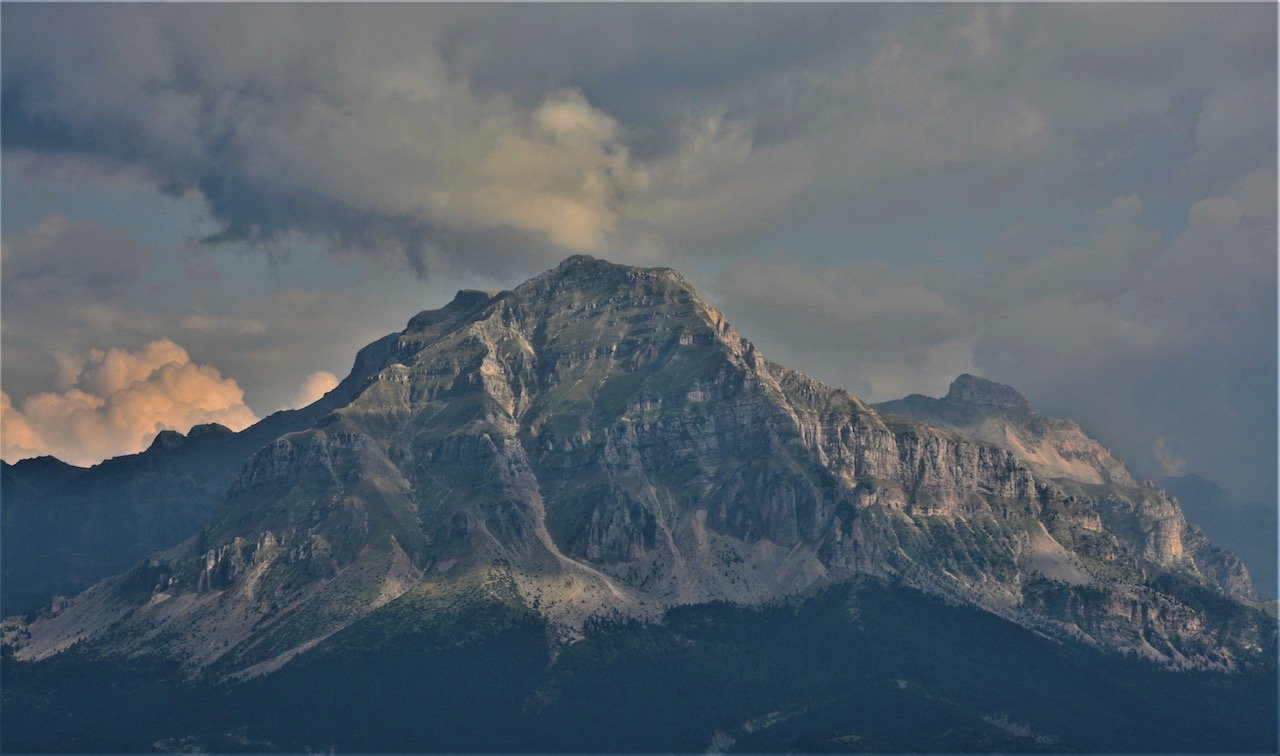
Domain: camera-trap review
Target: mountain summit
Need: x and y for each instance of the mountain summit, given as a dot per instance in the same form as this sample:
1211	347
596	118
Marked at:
997	414
599	442
970	389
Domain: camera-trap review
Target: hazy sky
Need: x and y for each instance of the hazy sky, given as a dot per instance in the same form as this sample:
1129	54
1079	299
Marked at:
207	210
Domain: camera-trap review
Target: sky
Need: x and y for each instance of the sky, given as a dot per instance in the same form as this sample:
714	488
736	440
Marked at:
206	210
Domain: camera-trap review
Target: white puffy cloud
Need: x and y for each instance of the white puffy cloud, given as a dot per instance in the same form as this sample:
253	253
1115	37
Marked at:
120	401
17	438
315	386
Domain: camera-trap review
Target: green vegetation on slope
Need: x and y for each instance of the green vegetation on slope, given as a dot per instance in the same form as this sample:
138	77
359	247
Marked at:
852	668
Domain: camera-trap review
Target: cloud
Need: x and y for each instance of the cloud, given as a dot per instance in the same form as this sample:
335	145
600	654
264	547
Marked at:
315	386
18	439
861	326
1162	347
269	343
470	140
120	401
351	130
274	342
69	286
56	273
1076	199
1169	461
58	255
1155	338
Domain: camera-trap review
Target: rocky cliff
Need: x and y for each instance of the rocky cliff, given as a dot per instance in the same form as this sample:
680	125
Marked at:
604	439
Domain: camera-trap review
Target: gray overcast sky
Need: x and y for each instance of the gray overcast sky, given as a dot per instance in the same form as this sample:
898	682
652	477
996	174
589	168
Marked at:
207	210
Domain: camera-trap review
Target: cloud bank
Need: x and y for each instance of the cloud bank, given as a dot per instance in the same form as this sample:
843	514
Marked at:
118	402
1074	199
354	129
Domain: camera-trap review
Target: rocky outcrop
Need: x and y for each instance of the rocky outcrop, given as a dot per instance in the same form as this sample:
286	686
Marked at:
979	392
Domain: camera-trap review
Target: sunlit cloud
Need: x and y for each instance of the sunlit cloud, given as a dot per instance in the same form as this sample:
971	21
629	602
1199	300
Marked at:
315	386
120	401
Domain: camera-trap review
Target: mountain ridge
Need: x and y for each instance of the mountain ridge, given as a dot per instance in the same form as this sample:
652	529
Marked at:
601	436
1000	415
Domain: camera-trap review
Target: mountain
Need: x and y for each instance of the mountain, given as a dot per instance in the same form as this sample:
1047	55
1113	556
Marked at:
1058	450
577	461
64	528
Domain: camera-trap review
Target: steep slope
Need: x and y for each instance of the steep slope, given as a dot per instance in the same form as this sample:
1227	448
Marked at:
602	439
63	528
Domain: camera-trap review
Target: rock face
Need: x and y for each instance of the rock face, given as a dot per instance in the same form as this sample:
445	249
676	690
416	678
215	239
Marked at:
601	436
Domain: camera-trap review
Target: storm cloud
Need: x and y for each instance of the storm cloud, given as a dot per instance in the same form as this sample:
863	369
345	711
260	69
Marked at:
353	128
1074	199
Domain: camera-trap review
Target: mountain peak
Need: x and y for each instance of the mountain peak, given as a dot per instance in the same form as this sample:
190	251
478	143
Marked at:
208	429
167	440
580	267
577	261
468	298
970	389
997	414
584	269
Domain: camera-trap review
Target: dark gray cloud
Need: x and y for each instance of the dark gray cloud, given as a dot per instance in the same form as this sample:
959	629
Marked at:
865	327
1182	358
1064	197
1165	349
350	126
632	130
